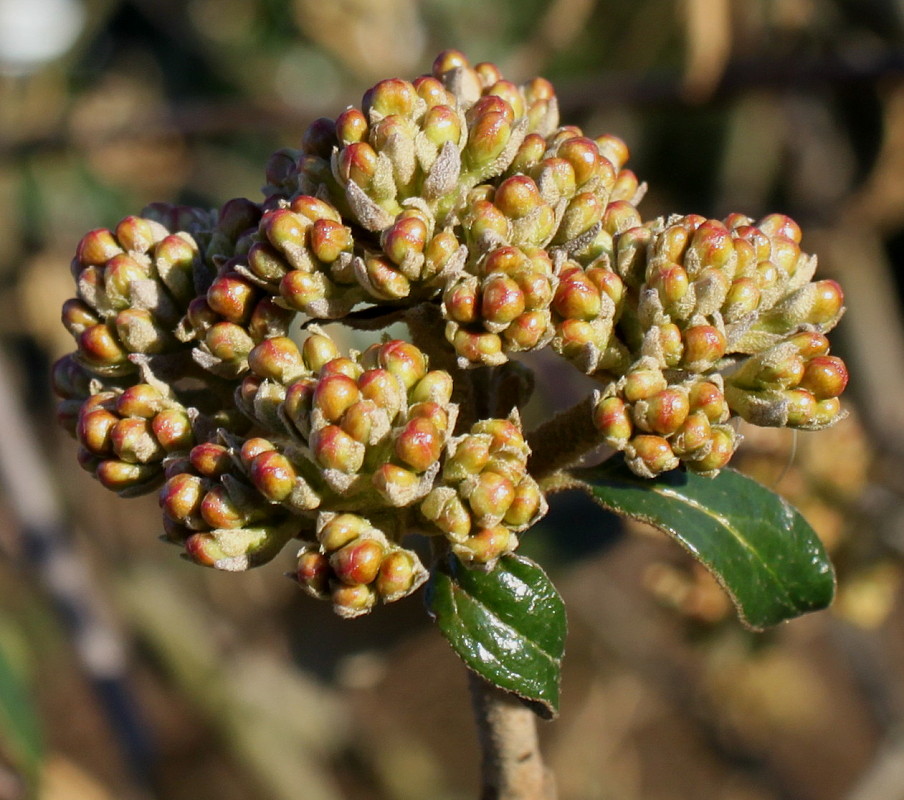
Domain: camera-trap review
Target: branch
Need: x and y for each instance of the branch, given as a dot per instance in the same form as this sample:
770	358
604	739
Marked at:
563	440
512	767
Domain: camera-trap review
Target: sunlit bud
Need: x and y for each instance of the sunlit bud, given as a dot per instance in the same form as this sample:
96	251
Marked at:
809	344
584	156
529	153
419	444
172	429
119	274
175	259
384	281
329	239
448	60
352	601
442	124
351	126
405	239
704	345
664	412
471	455
643	383
501	300
445	509
210	459
436	387
219	510
96	248
613	149
390	96
77	316
396	485
827	302
232	297
334	394
780	225
825	376
403	360
358	163
278	359
139	332
272	475
477	347
486	545
708	398
582	213
528	331
438	252
313	572
672	283
432	91
229	342
710	246
313	208
620	216
335	449
613	420
577	298
317	350
649	455
100	347
180	499
381	387
526	506
253	447
487	137
358	562
490	496
743	298
94	429
723	442
397	575
126	477
827	412
692	435
608	282
140	400
337	530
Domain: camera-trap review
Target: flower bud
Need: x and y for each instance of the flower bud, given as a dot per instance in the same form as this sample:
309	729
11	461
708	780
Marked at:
419	444
358	562
486	545
649	455
313	572
335	449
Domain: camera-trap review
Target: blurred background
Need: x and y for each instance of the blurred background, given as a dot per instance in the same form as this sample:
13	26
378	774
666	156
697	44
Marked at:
128	673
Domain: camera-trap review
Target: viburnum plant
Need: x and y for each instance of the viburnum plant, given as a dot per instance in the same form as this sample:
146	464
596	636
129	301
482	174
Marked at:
458	205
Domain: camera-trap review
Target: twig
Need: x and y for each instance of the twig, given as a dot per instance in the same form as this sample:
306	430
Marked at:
512	767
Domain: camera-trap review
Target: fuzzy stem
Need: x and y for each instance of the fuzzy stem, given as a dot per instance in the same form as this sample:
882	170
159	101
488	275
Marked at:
512	767
561	441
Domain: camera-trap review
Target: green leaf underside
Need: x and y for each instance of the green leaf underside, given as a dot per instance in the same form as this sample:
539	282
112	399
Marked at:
507	625
756	545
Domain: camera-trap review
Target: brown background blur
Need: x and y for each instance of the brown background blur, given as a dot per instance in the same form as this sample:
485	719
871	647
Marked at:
127	673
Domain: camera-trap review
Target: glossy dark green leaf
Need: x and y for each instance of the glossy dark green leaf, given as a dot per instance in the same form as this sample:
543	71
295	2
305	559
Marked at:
507	625
762	551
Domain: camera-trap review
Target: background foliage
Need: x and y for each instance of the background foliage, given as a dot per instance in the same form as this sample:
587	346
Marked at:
126	673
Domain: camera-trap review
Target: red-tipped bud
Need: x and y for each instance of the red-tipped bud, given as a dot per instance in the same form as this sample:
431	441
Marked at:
273	475
358	562
419	444
335	449
210	459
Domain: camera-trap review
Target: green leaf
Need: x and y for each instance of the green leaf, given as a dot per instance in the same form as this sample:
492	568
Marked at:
759	548
507	625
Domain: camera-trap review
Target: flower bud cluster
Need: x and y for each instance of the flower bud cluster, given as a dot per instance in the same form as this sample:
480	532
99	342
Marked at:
485	496
374	426
660	424
213	510
354	564
125	435
133	284
794	383
457	203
